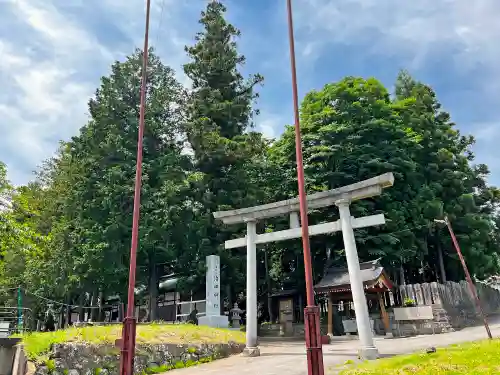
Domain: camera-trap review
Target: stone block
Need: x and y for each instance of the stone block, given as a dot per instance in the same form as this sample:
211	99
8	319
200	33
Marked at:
369	354
7	354
215	321
251	352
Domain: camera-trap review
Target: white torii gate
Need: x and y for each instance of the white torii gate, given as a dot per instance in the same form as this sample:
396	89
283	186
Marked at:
341	197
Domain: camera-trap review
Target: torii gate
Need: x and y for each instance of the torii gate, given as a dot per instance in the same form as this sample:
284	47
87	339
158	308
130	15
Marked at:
341	197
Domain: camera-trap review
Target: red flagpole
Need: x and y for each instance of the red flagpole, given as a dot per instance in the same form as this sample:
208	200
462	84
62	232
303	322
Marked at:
311	315
472	287
129	323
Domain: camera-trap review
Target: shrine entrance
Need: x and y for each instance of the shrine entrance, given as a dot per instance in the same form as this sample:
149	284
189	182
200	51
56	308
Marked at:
340	197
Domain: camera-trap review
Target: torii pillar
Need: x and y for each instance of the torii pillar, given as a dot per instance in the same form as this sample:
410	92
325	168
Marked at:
368	349
251	348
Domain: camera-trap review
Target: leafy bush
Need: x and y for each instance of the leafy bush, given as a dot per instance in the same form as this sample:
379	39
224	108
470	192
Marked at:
408	302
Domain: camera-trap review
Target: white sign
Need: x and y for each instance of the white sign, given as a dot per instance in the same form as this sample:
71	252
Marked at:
213	285
4	329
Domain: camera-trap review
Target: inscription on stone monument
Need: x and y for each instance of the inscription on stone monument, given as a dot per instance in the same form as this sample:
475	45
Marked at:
213	285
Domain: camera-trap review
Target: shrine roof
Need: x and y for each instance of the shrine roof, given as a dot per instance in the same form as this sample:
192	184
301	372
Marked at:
338	277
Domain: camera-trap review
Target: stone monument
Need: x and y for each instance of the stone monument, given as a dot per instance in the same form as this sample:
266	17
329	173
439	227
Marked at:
213	318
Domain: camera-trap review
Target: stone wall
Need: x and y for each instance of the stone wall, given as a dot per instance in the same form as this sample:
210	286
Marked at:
452	304
8	348
84	359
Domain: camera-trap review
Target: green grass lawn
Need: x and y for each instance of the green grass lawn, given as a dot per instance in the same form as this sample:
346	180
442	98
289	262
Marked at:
482	357
37	344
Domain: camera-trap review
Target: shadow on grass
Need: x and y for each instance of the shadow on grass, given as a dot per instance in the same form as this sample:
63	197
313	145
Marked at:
325	354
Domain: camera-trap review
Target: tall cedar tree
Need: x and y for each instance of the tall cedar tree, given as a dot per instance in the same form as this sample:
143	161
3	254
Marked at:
229	157
103	192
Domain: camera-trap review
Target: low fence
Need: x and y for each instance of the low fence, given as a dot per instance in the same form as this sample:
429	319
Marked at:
14	320
446	306
184	309
452	303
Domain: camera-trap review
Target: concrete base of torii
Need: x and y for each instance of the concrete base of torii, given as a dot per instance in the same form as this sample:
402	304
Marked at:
251	352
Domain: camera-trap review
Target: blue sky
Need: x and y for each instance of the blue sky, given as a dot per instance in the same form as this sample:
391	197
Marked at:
53	52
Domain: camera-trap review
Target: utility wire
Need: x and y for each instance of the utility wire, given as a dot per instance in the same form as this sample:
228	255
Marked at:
160	22
65	304
53	301
400	231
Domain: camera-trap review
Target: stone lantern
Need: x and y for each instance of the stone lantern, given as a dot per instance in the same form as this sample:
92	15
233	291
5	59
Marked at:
235	315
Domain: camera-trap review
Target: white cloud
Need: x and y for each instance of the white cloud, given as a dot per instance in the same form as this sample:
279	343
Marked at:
269	124
47	102
487	132
467	29
53	52
42	91
486	148
58	30
51	61
425	34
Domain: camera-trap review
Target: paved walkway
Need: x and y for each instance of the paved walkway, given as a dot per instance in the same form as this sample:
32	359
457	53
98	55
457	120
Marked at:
288	357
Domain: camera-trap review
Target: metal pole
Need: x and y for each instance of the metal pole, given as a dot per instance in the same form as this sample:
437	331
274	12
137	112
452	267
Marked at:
129	323
472	287
19	310
311	315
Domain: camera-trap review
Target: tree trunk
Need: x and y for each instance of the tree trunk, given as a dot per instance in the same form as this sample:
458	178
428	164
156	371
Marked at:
100	315
441	261
61	318
94	311
402	275
153	290
301	308
395	274
81	310
229	297
68	310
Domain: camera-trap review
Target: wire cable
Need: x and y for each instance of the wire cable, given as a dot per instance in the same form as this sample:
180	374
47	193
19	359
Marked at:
160	22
